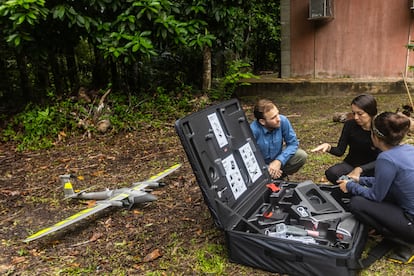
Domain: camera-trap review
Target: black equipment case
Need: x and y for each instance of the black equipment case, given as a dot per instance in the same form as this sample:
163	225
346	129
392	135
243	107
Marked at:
278	226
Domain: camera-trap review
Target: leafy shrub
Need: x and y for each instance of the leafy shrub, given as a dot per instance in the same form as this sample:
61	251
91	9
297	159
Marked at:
237	71
36	127
39	127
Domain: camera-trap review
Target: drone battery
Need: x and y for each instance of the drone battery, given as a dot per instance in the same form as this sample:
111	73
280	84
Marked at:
234	181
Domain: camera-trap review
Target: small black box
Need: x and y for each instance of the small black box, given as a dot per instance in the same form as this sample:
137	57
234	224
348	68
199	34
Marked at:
278	226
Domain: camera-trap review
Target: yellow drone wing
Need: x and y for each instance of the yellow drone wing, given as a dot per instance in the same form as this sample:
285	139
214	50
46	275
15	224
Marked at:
163	174
76	217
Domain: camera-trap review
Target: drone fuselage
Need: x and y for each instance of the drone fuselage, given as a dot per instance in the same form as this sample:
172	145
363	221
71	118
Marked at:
134	196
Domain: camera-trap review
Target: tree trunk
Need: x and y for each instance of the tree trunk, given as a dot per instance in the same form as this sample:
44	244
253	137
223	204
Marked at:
115	78
100	77
57	76
6	87
206	69
42	82
26	87
131	74
72	72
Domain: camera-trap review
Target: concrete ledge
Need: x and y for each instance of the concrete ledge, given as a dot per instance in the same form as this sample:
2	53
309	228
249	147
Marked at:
268	86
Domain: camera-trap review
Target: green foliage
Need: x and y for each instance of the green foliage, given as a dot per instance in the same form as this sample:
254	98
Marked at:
410	47
118	41
39	127
22	252
237	71
131	113
22	16
210	259
77	271
146	27
36	127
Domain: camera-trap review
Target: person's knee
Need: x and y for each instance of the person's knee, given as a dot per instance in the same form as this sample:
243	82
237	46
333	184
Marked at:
295	162
356	204
302	156
299	159
331	176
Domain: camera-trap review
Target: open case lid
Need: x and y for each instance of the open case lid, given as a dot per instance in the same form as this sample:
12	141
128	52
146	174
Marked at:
225	159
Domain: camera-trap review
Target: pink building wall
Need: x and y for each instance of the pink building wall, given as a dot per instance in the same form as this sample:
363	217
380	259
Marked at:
365	39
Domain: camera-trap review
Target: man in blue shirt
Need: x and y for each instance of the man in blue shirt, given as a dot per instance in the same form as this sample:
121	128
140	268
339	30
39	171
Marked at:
277	140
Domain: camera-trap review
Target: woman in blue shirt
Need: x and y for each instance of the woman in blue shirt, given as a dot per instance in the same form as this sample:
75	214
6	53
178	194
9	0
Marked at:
277	140
386	201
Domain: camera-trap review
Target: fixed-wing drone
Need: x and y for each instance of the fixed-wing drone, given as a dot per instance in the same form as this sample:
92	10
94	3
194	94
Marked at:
139	192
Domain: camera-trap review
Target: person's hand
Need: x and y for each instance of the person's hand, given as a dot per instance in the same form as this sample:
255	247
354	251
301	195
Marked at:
342	185
355	174
274	169
325	147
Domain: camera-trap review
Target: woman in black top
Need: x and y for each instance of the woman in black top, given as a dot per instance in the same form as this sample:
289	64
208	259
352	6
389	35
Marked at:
356	134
